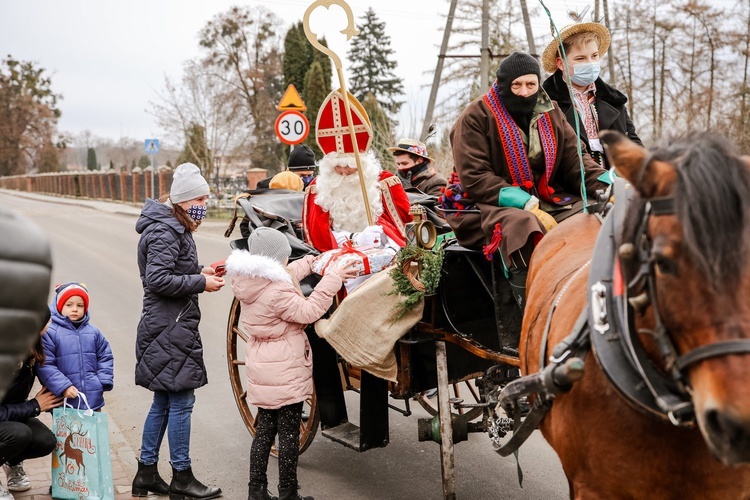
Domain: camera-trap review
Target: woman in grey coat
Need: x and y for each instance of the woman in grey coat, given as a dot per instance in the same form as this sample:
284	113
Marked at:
169	351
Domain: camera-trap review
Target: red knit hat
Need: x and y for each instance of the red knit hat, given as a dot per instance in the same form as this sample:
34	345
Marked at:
65	291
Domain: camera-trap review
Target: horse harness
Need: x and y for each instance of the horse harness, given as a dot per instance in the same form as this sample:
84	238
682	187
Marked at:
606	327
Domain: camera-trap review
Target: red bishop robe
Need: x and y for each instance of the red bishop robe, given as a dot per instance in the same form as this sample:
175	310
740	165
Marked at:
316	222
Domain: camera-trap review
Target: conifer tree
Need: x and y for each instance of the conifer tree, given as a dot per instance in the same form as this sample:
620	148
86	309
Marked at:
296	57
196	150
91	159
315	94
382	133
372	64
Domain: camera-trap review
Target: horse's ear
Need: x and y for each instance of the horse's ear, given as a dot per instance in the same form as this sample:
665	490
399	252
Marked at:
628	158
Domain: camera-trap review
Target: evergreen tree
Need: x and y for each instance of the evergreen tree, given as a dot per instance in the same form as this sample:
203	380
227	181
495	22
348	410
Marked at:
144	161
373	63
315	94
196	150
382	133
49	158
325	63
111	165
91	159
296	57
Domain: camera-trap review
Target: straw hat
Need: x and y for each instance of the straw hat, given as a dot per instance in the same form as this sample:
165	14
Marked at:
549	56
411	146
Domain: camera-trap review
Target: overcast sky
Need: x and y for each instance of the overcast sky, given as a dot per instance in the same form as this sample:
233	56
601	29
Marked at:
108	58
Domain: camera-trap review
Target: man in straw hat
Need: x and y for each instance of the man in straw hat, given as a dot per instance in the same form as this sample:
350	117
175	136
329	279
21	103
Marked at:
334	208
516	157
415	167
600	106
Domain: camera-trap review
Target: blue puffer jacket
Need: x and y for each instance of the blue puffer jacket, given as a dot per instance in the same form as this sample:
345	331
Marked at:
76	355
168	350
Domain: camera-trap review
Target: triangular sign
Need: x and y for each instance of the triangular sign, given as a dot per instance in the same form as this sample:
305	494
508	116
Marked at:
291	100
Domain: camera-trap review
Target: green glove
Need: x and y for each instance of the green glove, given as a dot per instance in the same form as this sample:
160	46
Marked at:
607	177
513	197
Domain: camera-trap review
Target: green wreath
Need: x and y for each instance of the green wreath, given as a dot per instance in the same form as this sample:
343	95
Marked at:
412	287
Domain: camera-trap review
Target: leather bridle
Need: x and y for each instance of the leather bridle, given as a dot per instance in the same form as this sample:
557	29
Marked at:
680	410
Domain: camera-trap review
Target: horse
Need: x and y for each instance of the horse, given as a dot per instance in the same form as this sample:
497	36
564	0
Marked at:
700	279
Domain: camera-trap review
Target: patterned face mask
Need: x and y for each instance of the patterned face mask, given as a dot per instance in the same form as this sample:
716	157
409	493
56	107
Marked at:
197	212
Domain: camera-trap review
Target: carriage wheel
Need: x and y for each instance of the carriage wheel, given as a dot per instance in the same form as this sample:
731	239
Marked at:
236	361
430	405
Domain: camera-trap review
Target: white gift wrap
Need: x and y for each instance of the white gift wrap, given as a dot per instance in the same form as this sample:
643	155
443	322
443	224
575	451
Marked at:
377	259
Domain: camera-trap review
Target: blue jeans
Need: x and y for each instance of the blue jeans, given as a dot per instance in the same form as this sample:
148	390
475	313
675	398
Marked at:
170	410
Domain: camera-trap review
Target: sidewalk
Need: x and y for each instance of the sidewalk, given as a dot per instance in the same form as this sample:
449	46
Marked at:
39	470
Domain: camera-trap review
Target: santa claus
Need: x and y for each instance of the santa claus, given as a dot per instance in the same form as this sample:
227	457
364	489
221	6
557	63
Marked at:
334	208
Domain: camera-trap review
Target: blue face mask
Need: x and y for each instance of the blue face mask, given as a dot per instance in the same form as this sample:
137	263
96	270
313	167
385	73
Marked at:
197	212
307	179
585	73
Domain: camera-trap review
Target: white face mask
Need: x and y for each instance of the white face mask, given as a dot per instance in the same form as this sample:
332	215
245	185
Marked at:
585	73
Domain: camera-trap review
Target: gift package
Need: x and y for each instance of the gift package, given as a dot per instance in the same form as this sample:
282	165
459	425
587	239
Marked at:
367	260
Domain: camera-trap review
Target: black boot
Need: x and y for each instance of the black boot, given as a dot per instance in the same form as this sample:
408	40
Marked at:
259	492
184	486
148	480
517	281
291	494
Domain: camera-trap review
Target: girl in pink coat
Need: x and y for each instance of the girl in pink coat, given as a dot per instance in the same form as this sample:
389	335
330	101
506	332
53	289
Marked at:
278	358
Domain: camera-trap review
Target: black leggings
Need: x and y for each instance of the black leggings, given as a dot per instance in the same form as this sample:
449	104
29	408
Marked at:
27	439
286	422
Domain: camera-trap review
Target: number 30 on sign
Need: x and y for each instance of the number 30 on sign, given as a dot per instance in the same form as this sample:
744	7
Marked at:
292	127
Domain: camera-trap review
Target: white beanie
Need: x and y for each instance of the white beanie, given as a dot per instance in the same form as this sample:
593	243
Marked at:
269	243
188	184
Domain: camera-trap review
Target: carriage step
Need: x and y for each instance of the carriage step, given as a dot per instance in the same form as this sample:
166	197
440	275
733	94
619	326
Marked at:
346	434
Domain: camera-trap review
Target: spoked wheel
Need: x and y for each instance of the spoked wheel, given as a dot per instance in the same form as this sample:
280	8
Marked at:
456	391
236	340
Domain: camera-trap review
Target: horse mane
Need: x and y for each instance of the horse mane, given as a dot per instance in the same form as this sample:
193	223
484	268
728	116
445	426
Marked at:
712	204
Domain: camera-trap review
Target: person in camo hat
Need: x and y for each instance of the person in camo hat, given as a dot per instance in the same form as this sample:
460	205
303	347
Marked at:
516	158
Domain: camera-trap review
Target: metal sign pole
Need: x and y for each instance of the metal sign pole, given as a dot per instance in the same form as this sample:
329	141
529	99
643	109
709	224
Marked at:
153	173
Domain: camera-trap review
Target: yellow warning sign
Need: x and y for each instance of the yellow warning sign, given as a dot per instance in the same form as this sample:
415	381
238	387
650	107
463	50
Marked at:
291	100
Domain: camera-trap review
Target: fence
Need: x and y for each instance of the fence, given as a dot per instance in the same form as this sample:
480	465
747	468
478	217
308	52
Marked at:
128	187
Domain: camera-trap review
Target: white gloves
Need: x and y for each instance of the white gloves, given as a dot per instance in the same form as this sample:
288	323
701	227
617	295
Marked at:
372	236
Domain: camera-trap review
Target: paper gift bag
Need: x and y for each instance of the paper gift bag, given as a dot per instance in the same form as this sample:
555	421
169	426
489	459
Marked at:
367	260
81	462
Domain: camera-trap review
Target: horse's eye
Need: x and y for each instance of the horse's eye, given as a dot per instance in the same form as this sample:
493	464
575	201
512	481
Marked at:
665	265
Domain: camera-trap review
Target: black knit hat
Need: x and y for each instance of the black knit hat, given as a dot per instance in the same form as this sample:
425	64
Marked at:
301	158
515	65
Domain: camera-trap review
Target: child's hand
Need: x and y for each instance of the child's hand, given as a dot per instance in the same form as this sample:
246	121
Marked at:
348	270
47	400
71	392
214	283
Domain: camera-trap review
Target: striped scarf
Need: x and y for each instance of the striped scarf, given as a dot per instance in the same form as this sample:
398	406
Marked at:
514	149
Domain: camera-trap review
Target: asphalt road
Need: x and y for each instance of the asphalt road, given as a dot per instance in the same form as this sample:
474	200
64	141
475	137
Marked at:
98	247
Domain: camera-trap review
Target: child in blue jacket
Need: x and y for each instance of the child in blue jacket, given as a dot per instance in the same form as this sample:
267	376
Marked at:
79	359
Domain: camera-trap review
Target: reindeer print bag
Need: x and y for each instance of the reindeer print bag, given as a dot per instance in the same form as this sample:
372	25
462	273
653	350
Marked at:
81	463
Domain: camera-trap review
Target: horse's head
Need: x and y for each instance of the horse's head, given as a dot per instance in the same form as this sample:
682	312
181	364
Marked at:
689	228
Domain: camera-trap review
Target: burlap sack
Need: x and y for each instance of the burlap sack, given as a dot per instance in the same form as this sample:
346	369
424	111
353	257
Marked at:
363	329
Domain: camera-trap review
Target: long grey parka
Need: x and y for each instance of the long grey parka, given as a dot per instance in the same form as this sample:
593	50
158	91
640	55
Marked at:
169	351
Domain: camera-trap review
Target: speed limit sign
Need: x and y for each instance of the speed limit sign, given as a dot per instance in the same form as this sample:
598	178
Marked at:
292	127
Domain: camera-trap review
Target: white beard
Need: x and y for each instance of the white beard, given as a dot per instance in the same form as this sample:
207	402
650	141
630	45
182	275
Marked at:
341	196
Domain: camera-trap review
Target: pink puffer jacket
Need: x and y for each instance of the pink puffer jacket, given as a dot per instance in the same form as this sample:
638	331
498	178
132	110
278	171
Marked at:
278	359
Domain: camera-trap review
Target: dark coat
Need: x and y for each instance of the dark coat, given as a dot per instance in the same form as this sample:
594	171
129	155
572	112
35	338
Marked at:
429	182
482	169
15	406
609	103
169	351
78	355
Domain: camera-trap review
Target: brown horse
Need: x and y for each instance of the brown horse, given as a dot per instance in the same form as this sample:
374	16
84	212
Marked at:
608	448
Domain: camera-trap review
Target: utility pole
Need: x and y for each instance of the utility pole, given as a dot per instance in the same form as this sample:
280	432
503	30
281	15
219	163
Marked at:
484	51
611	57
438	70
527	25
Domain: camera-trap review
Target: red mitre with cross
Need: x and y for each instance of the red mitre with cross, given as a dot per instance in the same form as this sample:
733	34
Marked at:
332	126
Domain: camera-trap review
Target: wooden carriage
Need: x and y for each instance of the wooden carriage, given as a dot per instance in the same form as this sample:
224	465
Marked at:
464	346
